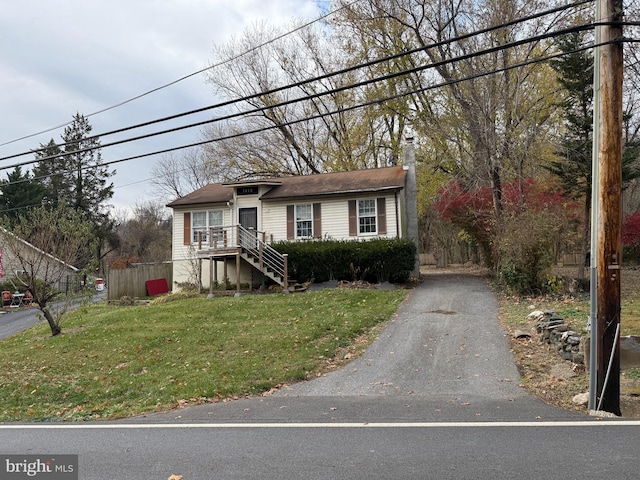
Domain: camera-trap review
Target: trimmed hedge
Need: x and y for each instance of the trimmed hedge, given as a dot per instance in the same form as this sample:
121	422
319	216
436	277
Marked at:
375	260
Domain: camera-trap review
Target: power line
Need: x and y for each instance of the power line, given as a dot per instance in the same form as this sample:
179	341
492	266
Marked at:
174	82
377	101
304	82
344	109
307	97
382	100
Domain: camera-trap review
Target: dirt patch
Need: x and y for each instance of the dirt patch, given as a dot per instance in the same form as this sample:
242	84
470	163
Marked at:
544	374
556	381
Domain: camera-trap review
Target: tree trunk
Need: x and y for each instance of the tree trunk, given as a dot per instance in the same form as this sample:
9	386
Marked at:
55	326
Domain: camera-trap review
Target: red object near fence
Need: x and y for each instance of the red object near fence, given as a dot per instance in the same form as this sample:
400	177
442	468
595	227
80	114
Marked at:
157	286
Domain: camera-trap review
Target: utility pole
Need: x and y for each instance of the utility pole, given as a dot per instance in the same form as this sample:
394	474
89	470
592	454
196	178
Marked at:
595	211
609	221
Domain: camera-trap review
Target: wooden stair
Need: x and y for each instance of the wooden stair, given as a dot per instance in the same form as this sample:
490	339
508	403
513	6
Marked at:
263	257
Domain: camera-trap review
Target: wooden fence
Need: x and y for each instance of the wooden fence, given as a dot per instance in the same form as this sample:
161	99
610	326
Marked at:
131	281
427	259
570	259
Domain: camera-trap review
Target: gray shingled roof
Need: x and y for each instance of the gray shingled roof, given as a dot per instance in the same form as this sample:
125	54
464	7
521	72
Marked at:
212	193
372	180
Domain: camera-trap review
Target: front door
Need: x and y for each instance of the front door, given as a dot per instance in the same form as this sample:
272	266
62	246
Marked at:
248	218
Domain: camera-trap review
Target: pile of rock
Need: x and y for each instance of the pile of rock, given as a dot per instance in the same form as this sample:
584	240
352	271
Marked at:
554	331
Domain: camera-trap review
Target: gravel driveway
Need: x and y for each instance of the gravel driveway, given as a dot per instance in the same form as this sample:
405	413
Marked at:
444	340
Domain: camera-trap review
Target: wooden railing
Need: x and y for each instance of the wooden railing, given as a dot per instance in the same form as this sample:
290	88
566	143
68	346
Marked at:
252	242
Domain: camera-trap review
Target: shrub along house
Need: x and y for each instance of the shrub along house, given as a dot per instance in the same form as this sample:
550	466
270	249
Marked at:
234	224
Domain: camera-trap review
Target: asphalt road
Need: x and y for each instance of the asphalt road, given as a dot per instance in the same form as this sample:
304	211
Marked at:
14	320
436	396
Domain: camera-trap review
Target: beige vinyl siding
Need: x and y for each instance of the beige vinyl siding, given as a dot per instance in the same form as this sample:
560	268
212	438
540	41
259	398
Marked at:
178	247
274	220
11	264
335	217
181	253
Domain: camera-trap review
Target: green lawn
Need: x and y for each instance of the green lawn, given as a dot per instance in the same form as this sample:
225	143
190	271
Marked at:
113	362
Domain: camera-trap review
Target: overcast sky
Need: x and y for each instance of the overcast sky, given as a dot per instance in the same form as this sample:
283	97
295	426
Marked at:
59	57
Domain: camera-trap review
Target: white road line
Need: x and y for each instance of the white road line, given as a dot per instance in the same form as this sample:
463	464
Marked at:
133	426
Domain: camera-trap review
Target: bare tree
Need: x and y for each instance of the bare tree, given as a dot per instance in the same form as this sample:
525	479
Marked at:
310	127
178	174
147	235
487	123
44	248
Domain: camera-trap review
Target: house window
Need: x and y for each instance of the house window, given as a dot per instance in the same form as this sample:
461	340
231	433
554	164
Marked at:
367	216
304	220
202	222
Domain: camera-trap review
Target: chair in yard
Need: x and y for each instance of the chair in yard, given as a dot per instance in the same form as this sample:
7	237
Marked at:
28	299
6	299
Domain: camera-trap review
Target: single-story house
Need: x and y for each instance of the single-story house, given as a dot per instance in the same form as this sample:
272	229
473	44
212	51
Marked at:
40	263
234	223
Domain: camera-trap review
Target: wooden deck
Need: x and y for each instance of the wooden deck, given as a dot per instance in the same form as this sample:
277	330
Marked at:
224	243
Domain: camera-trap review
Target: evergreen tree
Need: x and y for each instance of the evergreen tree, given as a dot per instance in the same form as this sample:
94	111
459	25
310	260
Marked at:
77	176
575	75
19	193
73	173
573	168
46	173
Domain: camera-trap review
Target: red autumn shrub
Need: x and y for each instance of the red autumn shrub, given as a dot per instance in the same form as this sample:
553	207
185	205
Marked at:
473	209
631	229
